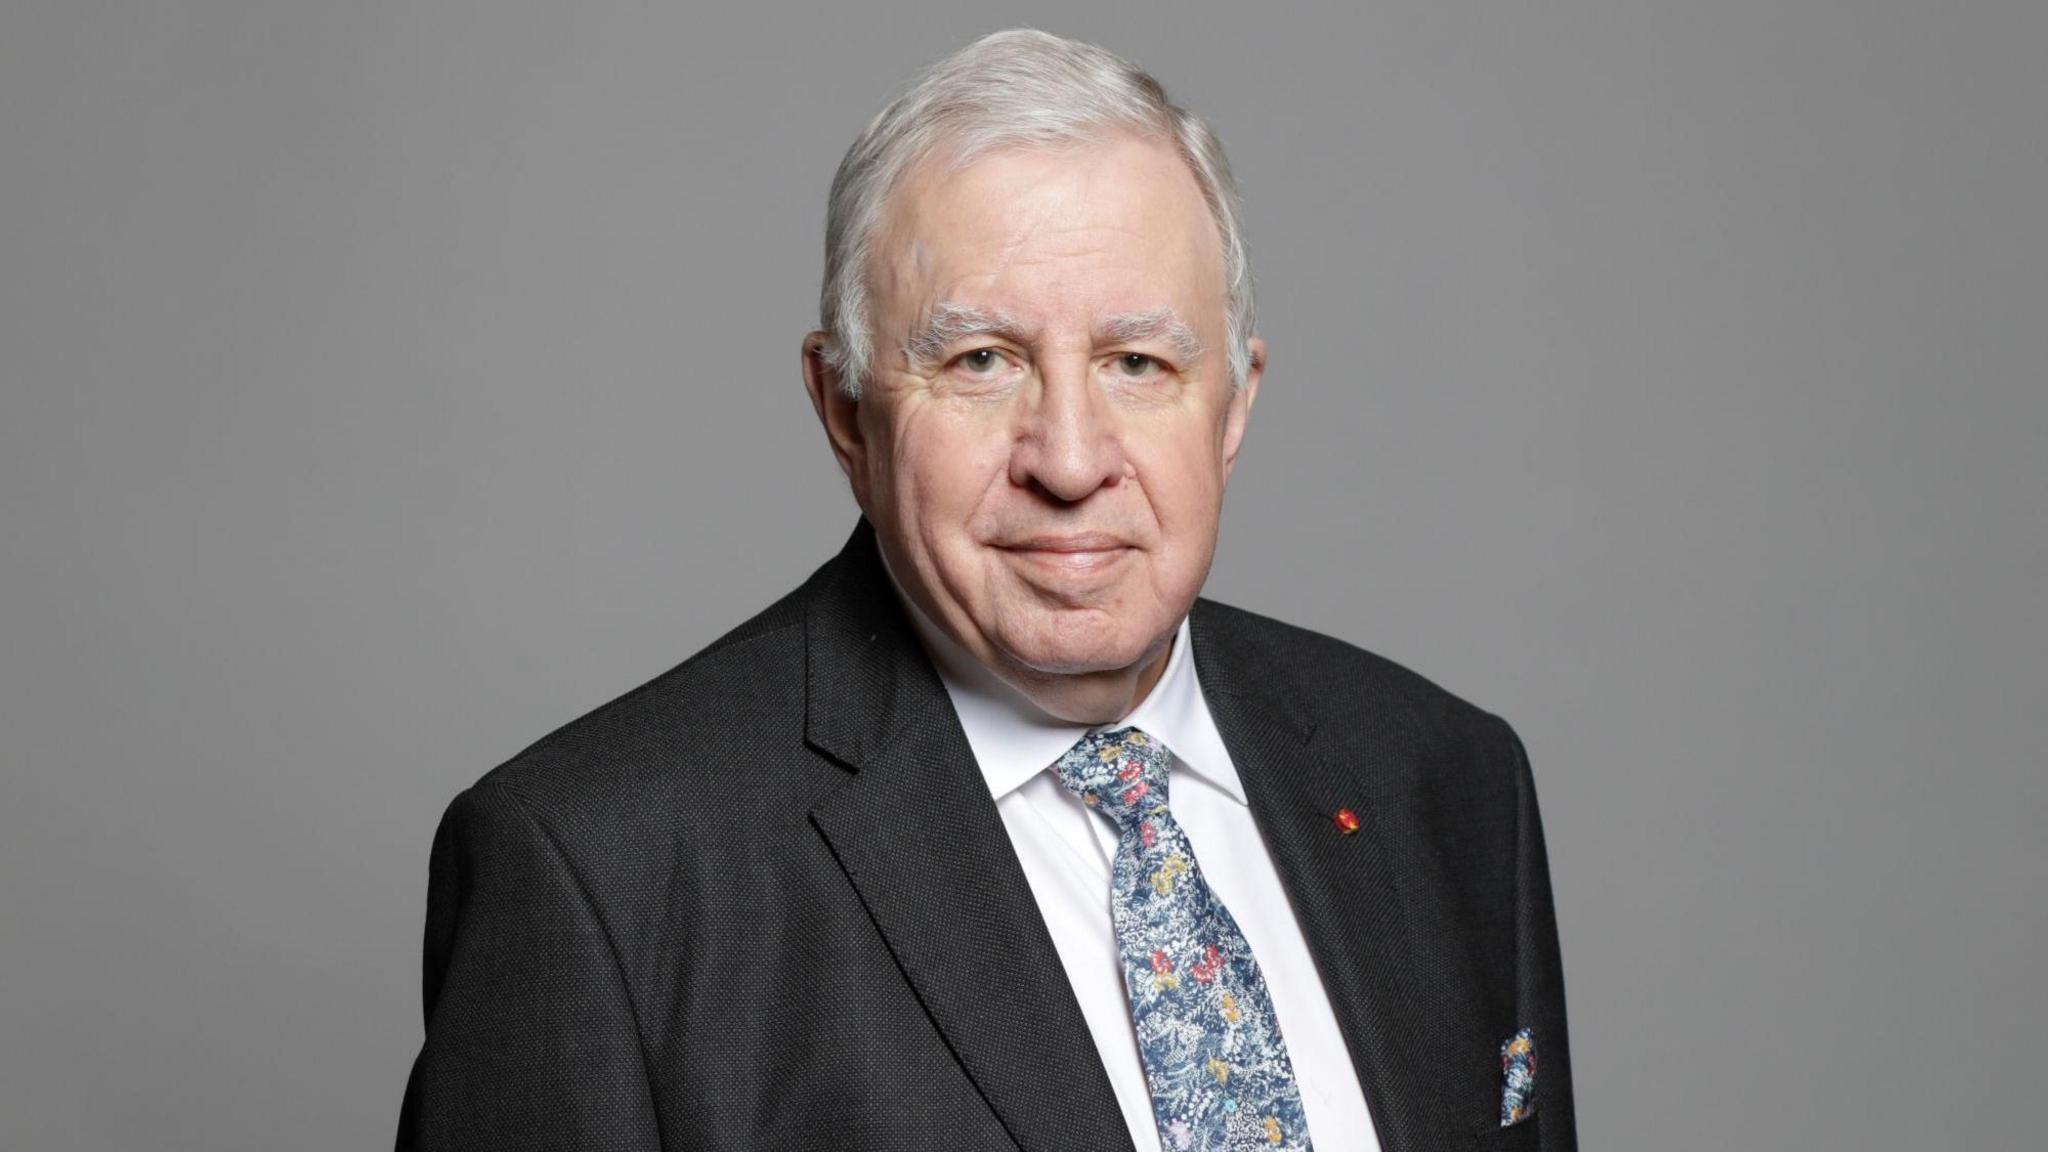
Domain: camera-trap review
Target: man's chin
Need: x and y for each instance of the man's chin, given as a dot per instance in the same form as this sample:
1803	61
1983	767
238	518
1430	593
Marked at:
1071	651
1074	664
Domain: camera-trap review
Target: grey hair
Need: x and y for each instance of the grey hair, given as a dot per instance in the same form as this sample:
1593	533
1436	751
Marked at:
1019	87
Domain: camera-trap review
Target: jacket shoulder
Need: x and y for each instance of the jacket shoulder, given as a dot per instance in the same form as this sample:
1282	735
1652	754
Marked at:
1340	681
675	732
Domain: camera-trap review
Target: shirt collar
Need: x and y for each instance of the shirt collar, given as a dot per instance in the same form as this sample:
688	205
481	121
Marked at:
1014	739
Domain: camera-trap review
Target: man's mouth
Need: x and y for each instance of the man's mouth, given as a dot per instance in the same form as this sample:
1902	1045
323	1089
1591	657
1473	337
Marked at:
1077	553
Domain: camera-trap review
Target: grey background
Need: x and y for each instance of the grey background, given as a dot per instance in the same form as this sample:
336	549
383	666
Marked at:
387	383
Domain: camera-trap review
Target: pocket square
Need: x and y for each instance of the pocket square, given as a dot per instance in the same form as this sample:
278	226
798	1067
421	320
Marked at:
1518	1078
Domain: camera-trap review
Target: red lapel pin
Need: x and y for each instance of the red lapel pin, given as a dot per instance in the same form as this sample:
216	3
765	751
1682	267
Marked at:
1346	821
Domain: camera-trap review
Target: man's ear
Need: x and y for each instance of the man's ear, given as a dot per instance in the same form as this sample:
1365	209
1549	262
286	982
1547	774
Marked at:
1240	404
839	413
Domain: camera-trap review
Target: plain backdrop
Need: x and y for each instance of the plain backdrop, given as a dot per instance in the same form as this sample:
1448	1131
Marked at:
386	384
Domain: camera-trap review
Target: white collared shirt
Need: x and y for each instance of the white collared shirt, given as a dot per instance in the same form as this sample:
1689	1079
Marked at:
1066	853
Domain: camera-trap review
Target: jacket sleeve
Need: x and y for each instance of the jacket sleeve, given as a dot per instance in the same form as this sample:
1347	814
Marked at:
1539	981
531	1039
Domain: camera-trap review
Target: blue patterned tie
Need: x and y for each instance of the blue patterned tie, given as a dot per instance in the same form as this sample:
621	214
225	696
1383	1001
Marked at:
1218	1071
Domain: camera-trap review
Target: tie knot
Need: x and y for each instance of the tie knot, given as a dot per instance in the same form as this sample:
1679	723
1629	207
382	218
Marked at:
1121	773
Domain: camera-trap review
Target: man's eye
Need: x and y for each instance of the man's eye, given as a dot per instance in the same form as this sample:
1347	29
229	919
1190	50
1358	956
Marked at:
1136	364
982	361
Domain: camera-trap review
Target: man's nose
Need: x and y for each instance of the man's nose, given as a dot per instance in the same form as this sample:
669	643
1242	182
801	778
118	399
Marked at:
1067	442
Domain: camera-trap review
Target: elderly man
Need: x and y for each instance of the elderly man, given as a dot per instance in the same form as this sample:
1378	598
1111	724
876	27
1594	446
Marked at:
993	835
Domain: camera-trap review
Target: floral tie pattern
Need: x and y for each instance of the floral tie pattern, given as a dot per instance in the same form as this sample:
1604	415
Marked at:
1212	1050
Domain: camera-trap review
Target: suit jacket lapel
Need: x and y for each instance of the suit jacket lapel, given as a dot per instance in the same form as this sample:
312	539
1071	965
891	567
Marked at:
1352	895
920	839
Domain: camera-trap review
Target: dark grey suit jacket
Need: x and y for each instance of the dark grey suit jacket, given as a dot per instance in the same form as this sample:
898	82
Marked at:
766	901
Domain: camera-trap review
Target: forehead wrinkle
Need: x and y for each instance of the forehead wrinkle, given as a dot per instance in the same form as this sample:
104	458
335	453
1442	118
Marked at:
1022	238
1161	323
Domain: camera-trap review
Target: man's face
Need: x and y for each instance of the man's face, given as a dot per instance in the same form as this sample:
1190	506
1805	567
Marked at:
1045	434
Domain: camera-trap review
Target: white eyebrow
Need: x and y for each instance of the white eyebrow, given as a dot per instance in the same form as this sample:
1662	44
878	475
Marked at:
1156	324
947	323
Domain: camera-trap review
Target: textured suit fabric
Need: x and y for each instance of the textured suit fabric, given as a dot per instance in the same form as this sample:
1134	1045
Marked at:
712	913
